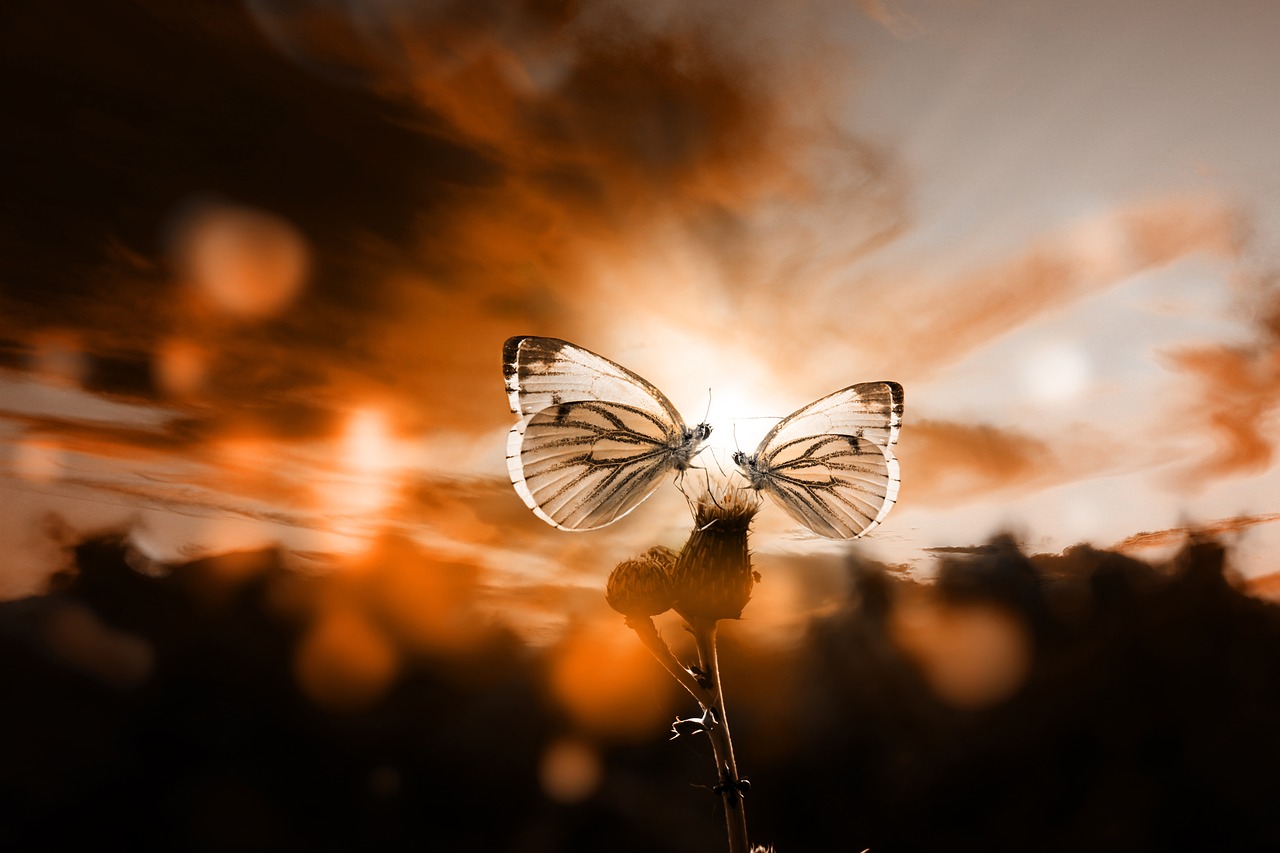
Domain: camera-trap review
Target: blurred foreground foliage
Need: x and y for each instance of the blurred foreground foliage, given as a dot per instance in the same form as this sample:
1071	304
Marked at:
1084	701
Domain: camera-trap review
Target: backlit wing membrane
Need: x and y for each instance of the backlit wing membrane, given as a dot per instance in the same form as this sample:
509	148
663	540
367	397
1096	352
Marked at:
586	464
593	440
543	372
830	465
871	410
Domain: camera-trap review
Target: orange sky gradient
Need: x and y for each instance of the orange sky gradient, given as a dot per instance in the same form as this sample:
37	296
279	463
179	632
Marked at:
258	268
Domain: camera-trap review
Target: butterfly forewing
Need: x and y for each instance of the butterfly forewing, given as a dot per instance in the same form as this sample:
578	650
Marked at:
543	372
871	410
594	439
830	465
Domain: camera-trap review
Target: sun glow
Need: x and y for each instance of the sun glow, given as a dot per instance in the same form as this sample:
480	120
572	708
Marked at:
367	476
1055	373
723	385
368	459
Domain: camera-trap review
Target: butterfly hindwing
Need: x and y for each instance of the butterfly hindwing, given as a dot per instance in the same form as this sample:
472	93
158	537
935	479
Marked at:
585	464
593	440
830	465
836	488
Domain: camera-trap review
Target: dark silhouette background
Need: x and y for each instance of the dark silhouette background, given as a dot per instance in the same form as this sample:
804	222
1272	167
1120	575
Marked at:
163	710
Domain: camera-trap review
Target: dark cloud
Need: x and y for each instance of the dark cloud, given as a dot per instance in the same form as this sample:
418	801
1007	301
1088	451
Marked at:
130	111
105	437
130	114
451	168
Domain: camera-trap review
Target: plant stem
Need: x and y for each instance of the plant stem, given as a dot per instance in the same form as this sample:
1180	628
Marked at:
712	699
648	634
704	634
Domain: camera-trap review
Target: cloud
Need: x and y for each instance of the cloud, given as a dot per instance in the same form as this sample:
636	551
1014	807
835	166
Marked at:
934	323
348	207
1177	536
1234	391
454	173
949	463
1237	391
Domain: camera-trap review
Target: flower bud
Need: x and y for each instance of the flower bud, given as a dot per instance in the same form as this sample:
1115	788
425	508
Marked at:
712	578
642	586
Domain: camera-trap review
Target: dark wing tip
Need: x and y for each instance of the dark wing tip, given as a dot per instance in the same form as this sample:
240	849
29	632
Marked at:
895	388
537	345
510	352
896	394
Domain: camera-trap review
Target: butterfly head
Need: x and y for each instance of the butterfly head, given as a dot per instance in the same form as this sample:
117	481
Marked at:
689	443
749	468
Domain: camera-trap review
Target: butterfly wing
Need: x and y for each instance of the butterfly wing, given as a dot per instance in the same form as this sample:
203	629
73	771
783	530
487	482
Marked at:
870	410
586	464
593	440
830	465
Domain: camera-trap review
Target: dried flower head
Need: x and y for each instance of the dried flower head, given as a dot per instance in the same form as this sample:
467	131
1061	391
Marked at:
712	578
641	586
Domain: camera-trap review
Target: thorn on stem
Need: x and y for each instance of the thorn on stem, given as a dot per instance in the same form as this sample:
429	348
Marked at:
695	725
740	786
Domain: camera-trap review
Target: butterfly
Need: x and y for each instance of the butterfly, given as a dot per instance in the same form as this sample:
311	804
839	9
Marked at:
593	439
830	465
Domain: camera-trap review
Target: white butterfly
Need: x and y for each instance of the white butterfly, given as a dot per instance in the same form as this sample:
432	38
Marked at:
594	439
830	465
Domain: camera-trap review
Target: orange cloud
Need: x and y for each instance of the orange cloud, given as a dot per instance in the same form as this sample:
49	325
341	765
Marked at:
1265	586
948	463
1235	392
446	175
1180	535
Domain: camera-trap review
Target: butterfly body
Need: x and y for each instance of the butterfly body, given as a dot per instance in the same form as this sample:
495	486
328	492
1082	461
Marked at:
593	439
682	455
830	465
750	465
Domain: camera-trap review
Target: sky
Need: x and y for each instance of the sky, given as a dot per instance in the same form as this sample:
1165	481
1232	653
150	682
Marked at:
257	262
